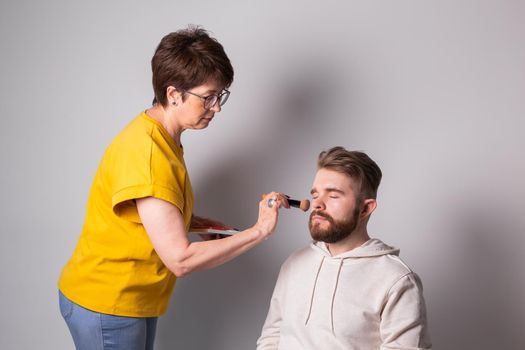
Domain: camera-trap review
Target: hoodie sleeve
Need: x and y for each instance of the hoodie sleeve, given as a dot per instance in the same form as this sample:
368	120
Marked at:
403	319
271	330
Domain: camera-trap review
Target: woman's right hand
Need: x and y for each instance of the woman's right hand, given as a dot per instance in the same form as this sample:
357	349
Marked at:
269	212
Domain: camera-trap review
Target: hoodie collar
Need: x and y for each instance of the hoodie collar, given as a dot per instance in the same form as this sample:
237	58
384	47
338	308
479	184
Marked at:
372	247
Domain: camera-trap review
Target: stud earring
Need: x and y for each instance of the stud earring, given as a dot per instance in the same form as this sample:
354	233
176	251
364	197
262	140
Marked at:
174	103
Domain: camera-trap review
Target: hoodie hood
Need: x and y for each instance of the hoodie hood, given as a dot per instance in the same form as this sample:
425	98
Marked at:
372	247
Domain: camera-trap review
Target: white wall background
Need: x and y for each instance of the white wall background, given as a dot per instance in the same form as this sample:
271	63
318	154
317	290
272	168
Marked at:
432	90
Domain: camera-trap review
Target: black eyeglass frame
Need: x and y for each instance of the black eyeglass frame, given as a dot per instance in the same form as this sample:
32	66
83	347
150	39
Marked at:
211	100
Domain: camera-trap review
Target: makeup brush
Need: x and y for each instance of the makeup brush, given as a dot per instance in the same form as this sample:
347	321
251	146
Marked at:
304	204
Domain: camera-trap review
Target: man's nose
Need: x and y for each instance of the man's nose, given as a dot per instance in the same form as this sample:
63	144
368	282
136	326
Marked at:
317	203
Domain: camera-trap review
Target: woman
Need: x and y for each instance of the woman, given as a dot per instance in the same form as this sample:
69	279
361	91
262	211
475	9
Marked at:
134	240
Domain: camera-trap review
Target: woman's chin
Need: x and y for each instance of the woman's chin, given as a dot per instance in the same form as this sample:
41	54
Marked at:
202	124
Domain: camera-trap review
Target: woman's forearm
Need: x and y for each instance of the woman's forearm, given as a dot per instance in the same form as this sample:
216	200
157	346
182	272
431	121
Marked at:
205	255
165	226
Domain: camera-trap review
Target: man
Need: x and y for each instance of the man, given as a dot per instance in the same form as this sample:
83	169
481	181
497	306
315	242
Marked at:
346	290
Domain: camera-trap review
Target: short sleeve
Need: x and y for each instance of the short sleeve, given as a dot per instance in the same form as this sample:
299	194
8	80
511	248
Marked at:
124	205
145	168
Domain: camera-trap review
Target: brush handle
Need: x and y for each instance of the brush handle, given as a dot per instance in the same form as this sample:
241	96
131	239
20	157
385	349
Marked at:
294	203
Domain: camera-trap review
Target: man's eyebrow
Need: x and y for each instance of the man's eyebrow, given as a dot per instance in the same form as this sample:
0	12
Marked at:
333	189
328	189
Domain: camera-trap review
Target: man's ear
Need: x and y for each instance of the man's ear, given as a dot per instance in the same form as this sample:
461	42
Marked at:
369	205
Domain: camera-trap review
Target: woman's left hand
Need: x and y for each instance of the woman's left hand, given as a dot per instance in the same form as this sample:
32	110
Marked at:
200	222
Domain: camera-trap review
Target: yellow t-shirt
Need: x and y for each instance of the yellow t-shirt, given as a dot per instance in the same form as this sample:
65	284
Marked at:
114	268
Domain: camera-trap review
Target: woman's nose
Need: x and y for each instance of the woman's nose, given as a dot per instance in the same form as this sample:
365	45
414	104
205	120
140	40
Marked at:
216	107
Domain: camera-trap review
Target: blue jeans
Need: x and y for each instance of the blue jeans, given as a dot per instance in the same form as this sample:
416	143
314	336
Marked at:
96	331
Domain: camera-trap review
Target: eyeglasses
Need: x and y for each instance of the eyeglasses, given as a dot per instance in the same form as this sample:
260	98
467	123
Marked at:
211	100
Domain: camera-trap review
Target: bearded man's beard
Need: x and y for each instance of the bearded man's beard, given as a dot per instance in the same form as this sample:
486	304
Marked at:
336	230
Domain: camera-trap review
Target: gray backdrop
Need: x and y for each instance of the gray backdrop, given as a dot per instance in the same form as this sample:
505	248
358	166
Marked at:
432	90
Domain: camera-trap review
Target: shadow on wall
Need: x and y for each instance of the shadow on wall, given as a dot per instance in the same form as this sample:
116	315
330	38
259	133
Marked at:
479	304
233	299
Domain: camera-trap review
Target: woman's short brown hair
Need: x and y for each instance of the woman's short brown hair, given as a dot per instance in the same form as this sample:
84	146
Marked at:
188	58
357	165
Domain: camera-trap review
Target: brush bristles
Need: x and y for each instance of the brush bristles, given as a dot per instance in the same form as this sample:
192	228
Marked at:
305	205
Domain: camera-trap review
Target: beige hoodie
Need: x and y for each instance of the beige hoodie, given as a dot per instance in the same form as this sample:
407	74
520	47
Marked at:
365	299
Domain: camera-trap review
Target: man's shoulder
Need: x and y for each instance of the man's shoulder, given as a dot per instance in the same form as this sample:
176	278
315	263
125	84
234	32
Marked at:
300	253
390	266
300	256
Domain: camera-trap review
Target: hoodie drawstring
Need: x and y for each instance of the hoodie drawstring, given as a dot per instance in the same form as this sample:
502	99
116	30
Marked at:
333	295
313	291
